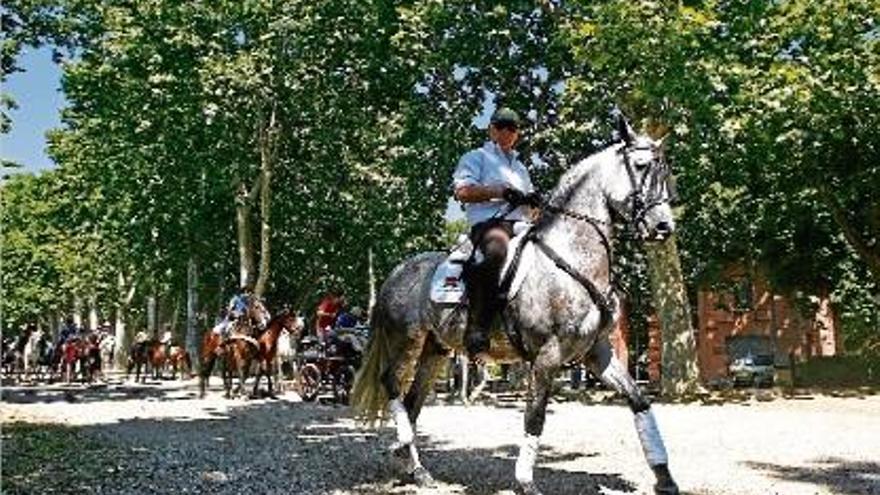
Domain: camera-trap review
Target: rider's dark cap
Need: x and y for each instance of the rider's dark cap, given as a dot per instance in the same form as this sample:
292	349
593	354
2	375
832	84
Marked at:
505	117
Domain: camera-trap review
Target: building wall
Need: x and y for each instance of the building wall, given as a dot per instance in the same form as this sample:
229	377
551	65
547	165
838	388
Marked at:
792	334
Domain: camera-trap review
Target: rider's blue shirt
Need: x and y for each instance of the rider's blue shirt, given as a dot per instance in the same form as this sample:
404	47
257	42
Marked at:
345	320
489	166
238	304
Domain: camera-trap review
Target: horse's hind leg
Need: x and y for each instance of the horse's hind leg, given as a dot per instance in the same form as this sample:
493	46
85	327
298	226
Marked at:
397	379
205	373
433	356
543	371
260	373
606	366
430	362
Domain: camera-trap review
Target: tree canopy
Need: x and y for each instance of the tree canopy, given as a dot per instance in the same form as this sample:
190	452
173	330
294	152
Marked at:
353	115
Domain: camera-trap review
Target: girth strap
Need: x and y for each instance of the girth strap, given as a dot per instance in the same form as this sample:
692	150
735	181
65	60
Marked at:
605	311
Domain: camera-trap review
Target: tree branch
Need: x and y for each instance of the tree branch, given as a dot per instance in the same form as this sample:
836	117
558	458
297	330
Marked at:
871	256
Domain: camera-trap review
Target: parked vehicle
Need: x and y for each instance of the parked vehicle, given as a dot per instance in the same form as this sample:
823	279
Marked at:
753	370
751	359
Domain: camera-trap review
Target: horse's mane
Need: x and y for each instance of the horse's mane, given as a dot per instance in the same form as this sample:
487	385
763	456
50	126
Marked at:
574	177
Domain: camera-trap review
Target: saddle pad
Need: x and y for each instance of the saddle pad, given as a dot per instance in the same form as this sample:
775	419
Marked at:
447	285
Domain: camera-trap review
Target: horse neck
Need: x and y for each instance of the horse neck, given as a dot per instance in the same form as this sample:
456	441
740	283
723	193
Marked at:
273	329
579	242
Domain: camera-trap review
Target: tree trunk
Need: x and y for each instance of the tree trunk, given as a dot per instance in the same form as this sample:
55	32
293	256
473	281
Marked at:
77	311
679	372
243	206
268	148
152	328
372	279
123	340
93	313
192	305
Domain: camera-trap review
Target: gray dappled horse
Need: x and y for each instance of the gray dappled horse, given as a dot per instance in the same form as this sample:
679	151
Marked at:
564	308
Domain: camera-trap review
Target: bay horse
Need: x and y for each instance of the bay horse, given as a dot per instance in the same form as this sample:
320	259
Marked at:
237	352
563	310
178	360
138	357
287	322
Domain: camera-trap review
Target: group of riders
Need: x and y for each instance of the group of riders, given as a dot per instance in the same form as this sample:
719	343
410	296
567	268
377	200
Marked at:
35	350
246	314
496	191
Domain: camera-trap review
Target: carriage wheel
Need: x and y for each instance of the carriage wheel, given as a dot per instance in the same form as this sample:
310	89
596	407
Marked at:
309	382
342	384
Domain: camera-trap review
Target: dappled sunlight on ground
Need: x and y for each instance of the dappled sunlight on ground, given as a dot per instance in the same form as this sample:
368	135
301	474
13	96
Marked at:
167	439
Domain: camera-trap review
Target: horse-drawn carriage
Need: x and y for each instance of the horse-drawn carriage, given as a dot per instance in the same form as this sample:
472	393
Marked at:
331	364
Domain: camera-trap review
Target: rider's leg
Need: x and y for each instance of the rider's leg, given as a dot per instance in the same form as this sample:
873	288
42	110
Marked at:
607	367
482	287
544	370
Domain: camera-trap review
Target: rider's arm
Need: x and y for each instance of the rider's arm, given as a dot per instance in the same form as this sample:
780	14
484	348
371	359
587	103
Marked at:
476	193
467	181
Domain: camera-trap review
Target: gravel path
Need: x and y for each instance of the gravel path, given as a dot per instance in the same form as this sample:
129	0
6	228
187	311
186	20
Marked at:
170	441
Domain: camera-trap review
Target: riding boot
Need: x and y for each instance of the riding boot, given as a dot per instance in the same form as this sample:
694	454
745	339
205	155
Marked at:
481	309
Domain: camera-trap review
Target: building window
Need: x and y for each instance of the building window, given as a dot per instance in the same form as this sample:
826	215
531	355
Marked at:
742	295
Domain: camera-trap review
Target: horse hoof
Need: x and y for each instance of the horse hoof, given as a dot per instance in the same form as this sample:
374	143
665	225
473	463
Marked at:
666	488
423	478
665	485
529	489
399	451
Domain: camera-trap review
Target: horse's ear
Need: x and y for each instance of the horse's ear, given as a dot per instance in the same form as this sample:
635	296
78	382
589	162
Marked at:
624	130
662	139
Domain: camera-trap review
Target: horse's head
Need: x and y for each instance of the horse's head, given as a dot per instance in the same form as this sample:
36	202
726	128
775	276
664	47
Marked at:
257	311
292	322
640	189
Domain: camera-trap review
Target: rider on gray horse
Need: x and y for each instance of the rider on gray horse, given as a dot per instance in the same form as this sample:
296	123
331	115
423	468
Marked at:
494	187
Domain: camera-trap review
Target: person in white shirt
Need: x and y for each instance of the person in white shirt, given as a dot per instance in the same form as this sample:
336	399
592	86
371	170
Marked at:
496	191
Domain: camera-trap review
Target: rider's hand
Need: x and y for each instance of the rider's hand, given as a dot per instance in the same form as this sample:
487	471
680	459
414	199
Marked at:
514	196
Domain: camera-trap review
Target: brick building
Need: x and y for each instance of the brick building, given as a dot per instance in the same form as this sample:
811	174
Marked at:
746	317
751	311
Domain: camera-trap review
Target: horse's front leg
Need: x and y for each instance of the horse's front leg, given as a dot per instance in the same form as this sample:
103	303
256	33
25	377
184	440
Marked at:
257	380
269	371
610	370
544	370
242	366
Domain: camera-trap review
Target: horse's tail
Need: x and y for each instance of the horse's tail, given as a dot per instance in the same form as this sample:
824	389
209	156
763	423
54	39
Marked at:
368	396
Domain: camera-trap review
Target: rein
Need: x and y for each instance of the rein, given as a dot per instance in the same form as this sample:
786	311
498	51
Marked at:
604	301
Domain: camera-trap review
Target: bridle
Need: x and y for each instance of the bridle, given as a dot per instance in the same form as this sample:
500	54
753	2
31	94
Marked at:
639	208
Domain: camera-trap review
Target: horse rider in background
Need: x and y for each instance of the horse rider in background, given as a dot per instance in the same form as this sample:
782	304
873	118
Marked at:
237	308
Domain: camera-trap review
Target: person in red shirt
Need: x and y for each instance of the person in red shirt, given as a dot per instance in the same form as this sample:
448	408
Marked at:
326	313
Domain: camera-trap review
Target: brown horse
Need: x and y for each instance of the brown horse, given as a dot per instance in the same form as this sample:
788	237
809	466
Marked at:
268	341
150	355
237	352
138	357
157	357
178	359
